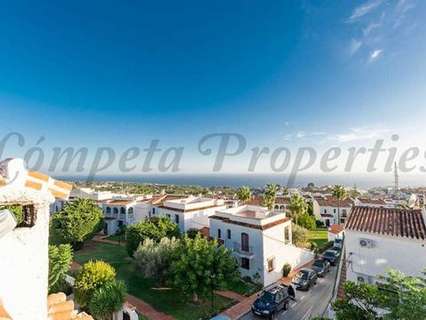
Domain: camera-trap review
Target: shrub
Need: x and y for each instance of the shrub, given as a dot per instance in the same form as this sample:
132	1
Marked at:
286	269
60	258
153	228
192	233
92	276
153	259
299	235
107	299
319	224
306	221
76	222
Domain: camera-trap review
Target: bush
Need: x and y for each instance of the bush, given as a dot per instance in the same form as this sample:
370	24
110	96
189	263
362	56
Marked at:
319	224
306	221
77	222
107	299
153	259
286	269
92	276
192	233
60	258
153	228
300	236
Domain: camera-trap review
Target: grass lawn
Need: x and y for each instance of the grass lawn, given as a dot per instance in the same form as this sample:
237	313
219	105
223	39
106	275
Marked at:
114	237
168	301
319	236
244	288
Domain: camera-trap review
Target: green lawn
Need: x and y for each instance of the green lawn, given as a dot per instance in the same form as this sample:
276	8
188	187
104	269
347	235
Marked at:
168	301
319	236
244	287
114	237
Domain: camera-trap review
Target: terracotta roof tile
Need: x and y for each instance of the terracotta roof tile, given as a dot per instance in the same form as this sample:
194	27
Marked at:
406	223
336	228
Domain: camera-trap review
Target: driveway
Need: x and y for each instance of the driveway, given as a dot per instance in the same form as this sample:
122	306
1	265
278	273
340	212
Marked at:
308	304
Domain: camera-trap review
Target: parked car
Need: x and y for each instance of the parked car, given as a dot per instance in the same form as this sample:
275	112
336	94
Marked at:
305	279
271	301
321	267
331	256
338	243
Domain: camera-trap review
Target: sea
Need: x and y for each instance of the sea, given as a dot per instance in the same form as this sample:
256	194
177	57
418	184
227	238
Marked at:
360	181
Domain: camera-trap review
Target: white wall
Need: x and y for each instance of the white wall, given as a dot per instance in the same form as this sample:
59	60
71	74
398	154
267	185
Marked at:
407	256
24	270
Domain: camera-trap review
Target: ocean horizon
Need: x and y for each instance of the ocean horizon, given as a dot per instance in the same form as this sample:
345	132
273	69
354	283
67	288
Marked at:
260	180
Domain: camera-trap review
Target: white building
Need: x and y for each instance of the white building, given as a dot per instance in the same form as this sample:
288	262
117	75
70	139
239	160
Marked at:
189	213
118	213
260	240
328	209
377	239
24	247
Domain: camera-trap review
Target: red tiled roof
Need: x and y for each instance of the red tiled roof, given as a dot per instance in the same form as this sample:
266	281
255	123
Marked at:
391	222
372	201
336	228
333	202
120	202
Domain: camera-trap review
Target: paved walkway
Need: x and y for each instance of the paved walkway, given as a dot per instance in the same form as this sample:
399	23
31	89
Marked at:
103	238
231	295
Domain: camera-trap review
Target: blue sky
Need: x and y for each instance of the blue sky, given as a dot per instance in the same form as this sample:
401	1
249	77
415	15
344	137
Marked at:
118	74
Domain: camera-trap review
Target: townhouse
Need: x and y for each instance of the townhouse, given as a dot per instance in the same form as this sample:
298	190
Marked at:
330	210
260	239
118	213
190	212
378	238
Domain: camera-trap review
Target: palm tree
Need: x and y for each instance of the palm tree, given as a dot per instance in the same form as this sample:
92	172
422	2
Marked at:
269	196
339	192
297	206
244	194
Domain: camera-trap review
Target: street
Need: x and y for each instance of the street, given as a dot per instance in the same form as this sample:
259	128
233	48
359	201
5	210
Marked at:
307	304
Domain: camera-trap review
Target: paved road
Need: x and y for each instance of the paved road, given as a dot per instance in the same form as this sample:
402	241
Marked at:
308	304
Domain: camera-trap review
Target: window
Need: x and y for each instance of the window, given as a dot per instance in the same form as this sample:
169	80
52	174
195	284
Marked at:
286	234
153	210
334	210
176	218
123	210
245	263
115	210
130	211
168	216
228	232
244	242
219	234
108	210
271	264
325	210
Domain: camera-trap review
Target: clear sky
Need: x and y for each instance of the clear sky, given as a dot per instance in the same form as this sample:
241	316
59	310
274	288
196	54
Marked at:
281	73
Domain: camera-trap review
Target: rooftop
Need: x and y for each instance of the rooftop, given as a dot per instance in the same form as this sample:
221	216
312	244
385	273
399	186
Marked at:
192	203
406	223
334	202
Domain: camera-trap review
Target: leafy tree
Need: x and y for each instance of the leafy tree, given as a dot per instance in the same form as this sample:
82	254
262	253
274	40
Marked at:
339	192
154	258
60	258
307	221
152	228
107	299
297	206
201	266
270	195
401	297
77	222
299	236
92	276
244	194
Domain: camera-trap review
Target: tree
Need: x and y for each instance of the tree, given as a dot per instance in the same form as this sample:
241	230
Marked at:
60	258
244	194
77	222
154	258
92	276
339	192
299	236
107	299
16	210
297	206
269	196
152	228
307	221
200	266
400	296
